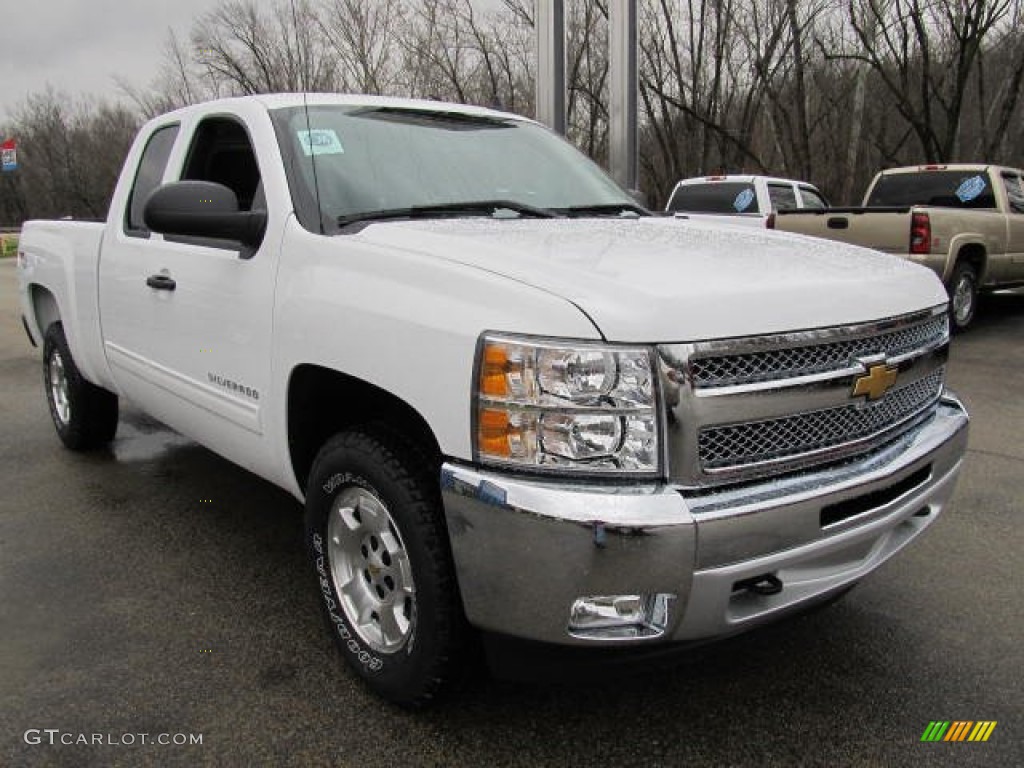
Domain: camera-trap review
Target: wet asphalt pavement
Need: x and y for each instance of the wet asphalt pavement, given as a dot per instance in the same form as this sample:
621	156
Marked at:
158	589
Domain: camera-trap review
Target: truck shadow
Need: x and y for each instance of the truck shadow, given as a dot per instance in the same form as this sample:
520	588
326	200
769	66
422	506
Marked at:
999	312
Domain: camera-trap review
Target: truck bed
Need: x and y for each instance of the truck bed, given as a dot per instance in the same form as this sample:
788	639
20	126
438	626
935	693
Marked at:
64	255
883	229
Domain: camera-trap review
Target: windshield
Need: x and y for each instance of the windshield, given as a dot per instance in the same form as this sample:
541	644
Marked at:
944	189
715	197
383	159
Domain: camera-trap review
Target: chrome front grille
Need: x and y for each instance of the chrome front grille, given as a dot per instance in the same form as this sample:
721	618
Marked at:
740	409
763	441
747	368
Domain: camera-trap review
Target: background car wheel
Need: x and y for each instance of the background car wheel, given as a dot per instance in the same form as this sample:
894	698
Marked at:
963	296
84	415
377	538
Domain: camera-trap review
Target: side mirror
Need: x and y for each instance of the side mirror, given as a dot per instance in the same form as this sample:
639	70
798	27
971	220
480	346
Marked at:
202	209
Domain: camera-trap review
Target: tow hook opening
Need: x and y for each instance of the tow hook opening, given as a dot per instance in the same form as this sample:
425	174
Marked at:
765	584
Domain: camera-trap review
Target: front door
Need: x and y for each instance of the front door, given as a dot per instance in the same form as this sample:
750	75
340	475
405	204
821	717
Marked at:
188	323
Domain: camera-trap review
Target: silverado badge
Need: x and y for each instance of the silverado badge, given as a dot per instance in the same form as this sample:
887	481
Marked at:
876	382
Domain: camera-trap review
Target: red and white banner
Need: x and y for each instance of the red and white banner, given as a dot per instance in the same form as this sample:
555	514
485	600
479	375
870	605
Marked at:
9	155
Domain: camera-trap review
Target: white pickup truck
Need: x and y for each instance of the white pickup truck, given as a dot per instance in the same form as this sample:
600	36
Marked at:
510	399
742	199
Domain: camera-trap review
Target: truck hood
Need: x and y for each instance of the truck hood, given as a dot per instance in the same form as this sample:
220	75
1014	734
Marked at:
670	280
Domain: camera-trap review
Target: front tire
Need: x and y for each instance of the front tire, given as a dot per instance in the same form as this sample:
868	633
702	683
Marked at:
84	415
963	296
377	538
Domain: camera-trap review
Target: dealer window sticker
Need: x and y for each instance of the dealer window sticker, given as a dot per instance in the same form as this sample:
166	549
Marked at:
970	189
320	141
743	200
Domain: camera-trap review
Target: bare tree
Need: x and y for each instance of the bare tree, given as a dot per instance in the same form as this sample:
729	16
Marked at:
825	91
177	84
924	53
360	35
69	154
455	51
253	52
587	77
1003	61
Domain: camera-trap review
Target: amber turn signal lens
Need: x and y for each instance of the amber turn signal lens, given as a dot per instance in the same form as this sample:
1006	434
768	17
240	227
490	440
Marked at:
494	429
493	372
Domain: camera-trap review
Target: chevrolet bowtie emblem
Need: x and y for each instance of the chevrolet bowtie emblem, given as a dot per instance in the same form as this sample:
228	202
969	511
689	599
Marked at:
876	382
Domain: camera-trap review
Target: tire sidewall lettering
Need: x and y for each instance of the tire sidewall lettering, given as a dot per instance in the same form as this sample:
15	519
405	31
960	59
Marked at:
340	479
374	462
348	639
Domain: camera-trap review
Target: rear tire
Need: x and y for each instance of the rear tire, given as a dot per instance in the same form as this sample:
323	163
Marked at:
963	296
379	546
84	415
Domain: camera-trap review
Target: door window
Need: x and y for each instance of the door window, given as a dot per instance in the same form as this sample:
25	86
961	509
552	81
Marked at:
812	199
783	197
1014	192
148	177
222	152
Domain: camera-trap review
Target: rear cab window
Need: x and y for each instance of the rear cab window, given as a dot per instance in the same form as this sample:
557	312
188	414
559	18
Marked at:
150	173
715	197
971	189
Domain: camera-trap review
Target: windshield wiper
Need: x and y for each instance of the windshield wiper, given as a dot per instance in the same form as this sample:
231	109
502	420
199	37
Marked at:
626	210
450	209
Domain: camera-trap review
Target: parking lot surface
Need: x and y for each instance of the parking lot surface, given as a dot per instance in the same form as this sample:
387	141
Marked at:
157	589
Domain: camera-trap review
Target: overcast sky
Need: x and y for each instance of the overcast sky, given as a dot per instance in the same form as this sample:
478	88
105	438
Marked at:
80	46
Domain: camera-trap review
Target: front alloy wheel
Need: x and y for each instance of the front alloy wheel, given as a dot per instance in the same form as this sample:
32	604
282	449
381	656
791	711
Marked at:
370	570
379	547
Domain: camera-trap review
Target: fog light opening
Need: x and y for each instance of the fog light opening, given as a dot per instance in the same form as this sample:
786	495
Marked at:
620	617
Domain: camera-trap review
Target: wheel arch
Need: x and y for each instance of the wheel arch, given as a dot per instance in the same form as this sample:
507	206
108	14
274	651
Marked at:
45	309
322	402
973	253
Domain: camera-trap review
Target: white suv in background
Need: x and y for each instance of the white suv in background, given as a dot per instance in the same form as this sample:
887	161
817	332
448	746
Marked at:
748	200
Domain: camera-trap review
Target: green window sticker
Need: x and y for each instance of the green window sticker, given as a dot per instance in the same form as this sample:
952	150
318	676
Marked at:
320	141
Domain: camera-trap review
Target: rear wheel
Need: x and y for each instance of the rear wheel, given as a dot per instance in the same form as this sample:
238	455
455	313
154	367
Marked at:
963	296
84	415
378	543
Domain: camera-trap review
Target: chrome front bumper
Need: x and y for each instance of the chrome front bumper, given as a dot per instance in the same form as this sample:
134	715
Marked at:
526	549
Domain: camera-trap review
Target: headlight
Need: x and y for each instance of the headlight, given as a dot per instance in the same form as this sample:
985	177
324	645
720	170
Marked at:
566	406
